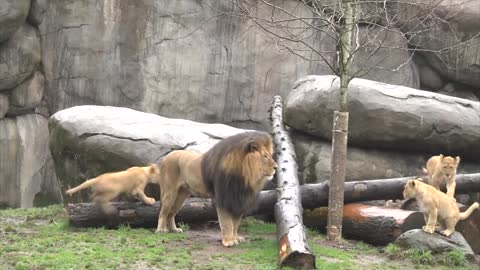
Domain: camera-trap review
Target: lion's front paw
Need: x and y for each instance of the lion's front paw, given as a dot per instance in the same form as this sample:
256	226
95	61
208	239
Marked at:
176	230
446	232
428	229
149	201
161	230
229	243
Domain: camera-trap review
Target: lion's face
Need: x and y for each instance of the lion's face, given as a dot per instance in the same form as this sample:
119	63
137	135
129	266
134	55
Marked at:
267	165
449	165
259	163
410	190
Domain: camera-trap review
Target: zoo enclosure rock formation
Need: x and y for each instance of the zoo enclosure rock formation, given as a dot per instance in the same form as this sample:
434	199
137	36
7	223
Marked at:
387	116
12	15
26	169
314	154
149	55
87	141
27	176
183	59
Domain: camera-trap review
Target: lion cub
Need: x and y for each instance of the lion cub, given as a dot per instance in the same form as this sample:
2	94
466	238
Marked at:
436	205
443	169
108	186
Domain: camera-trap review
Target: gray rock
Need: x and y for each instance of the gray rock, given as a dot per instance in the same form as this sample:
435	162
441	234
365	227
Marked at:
430	79
387	116
37	12
152	56
384	64
12	16
18	57
86	141
3	105
457	90
314	157
28	94
460	24
314	162
435	242
25	162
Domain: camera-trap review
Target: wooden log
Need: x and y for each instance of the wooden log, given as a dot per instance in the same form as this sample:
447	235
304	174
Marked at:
371	224
197	209
291	237
137	214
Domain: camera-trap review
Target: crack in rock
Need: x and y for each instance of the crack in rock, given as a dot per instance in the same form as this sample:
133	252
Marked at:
84	136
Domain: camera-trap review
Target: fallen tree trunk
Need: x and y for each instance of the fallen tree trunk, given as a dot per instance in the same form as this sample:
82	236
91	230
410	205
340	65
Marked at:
371	224
199	210
291	237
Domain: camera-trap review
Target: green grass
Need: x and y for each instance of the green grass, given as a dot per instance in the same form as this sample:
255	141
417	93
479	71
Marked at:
453	259
26	243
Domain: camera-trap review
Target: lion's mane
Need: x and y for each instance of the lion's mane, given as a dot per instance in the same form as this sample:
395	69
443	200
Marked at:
231	175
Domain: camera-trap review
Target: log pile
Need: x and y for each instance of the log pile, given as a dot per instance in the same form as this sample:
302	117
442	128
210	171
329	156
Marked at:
138	214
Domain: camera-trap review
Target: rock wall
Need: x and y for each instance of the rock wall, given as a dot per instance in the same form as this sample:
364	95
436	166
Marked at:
175	58
27	176
189	59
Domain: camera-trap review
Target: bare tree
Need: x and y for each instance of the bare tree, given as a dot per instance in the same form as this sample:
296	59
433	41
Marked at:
377	30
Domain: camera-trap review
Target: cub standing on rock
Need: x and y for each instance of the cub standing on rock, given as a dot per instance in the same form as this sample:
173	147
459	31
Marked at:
442	169
108	186
436	204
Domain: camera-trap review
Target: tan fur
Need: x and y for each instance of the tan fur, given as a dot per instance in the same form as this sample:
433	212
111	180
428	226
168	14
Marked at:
181	176
443	169
108	186
437	207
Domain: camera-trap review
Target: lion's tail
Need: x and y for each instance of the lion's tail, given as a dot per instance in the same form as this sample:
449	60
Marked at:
469	211
83	185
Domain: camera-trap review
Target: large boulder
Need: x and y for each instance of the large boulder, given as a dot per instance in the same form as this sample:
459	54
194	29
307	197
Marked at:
86	141
18	57
314	161
182	59
436	242
387	116
26	175
12	16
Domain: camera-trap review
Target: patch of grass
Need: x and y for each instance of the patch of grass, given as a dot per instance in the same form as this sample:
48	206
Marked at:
50	212
421	256
453	258
52	244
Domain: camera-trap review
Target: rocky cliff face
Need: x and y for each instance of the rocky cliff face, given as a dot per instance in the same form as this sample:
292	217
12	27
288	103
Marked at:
185	59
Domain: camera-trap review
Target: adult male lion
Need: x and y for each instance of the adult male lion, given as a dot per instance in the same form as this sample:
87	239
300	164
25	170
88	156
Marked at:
233	172
108	186
437	207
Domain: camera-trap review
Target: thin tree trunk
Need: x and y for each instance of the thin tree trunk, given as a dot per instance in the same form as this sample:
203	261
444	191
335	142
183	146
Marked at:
338	169
340	126
292	241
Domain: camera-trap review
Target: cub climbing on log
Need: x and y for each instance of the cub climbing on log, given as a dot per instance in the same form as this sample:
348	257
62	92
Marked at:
233	172
443	169
437	207
108	186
